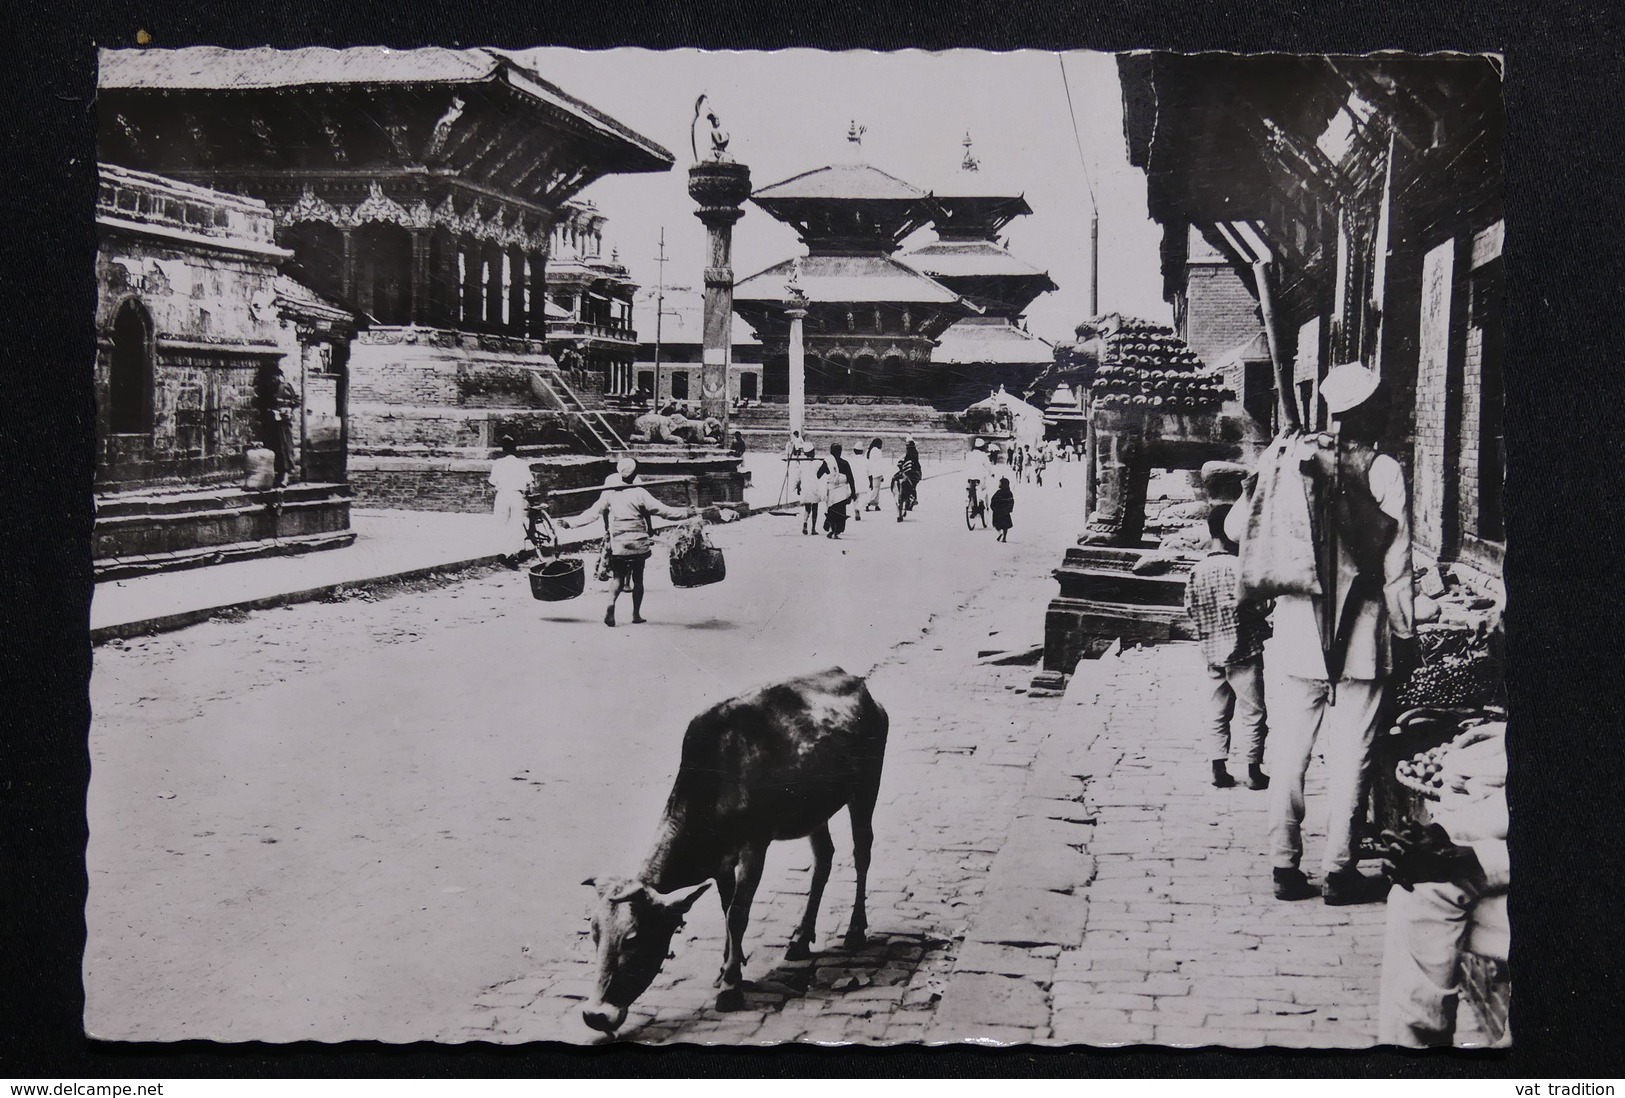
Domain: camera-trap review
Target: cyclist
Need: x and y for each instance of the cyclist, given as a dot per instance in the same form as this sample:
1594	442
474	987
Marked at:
908	478
978	471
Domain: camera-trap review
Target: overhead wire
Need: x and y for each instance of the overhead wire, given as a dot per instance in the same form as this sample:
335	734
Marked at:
1077	138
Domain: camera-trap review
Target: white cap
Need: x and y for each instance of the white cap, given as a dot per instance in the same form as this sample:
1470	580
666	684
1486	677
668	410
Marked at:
978	443
626	467
1347	386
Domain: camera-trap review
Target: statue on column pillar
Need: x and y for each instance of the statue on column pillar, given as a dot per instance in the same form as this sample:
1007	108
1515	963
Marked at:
795	301
720	186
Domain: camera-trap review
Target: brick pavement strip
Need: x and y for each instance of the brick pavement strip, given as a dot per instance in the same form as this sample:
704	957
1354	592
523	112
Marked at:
1182	943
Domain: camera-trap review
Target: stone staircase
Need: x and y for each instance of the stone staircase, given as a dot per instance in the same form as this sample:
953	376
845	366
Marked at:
552	388
852	423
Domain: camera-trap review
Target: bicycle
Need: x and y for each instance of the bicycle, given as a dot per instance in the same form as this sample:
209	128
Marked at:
974	507
540	531
904	494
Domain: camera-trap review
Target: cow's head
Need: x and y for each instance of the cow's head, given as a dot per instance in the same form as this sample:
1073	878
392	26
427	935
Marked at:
632	926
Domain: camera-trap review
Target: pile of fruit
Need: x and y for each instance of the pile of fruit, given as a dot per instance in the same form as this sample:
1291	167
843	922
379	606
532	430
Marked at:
1146	366
1455	672
1469	752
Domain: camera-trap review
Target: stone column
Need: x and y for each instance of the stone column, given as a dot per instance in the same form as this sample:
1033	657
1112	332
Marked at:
720	186
797	312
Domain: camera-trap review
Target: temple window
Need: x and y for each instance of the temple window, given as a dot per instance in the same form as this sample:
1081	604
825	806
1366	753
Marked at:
445	278
129	376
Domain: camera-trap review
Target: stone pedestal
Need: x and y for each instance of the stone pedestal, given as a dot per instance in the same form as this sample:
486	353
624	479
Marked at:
720	187
1102	599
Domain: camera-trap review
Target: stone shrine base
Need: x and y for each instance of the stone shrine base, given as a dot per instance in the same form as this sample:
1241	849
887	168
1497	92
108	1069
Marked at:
156	530
1103	600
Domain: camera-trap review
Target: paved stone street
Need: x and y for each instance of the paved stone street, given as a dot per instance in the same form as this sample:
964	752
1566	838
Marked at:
369	817
352	818
1172	935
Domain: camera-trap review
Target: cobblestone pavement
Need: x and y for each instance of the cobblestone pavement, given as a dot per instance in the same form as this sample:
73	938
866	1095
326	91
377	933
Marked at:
1159	925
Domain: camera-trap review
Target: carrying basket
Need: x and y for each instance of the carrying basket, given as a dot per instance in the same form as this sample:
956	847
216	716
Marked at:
558	580
698	568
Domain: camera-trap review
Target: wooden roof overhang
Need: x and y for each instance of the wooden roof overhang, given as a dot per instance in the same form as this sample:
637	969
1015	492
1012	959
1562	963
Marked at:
488	131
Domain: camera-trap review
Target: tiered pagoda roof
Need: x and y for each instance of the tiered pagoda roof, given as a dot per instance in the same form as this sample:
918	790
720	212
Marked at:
968	213
847	209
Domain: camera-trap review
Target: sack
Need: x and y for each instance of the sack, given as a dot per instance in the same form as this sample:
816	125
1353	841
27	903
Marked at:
837	489
602	573
1278	547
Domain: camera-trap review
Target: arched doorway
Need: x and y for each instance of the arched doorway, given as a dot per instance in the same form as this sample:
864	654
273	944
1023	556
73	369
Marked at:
129	372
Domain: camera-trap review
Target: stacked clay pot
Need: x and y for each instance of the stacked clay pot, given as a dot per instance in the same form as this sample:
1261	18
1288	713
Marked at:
1146	367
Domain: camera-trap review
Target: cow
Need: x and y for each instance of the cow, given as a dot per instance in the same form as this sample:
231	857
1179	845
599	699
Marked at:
772	764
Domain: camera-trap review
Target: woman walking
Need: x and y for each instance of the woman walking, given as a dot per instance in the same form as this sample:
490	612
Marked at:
627	509
838	486
909	469
1003	502
511	477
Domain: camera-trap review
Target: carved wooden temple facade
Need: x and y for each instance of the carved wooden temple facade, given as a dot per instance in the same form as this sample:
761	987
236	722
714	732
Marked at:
590	330
421	188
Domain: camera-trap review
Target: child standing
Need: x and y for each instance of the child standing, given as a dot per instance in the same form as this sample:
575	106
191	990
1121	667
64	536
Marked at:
1233	634
1003	502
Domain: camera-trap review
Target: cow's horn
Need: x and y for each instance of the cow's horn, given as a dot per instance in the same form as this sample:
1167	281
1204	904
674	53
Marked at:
591	882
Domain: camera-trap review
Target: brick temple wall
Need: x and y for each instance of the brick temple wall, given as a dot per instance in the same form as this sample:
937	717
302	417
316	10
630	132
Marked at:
1221	313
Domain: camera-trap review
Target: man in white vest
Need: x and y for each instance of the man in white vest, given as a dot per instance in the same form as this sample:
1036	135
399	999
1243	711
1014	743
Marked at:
1334	655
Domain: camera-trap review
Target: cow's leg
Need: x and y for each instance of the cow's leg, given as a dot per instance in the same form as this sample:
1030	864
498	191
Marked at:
725	895
863	836
823	857
747	875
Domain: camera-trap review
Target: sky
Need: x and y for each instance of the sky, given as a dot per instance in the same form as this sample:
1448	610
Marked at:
788	112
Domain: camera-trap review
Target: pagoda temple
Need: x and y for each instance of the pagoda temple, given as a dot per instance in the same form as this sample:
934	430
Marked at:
589	322
983	351
873	321
421	189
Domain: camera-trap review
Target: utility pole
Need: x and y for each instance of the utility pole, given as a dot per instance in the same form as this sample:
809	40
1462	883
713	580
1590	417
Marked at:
1094	257
660	309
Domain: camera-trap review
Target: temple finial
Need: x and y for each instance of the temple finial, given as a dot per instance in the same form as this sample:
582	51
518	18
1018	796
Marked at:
855	132
970	163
